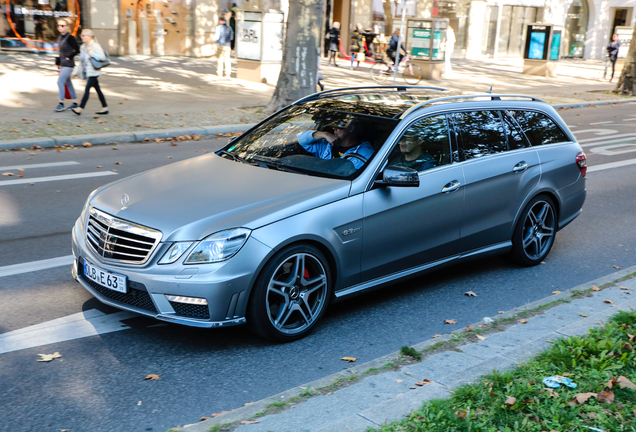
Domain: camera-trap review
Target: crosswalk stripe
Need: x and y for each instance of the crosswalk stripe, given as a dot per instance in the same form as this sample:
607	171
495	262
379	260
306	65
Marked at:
32	266
56	178
42	165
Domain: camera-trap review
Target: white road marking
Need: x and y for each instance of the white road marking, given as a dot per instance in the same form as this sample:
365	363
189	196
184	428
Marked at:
35	266
71	327
616	149
56	178
597	131
611	165
598	123
42	165
630	119
614	139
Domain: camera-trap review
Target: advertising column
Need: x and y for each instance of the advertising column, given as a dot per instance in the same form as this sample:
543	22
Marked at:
31	25
259	45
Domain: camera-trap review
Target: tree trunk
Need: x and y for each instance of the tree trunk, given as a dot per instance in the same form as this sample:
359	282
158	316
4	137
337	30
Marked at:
627	82
388	18
298	74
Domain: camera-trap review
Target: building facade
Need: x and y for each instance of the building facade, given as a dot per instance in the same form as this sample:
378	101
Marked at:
490	28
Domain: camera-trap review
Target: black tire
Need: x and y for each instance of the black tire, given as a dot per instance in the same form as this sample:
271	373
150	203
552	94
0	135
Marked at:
412	74
380	72
535	232
291	294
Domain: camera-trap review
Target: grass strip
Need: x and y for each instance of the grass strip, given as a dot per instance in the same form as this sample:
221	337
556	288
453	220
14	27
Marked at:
601	363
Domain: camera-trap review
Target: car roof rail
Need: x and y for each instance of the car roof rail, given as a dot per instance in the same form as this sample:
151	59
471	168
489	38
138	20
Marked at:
319	95
494	97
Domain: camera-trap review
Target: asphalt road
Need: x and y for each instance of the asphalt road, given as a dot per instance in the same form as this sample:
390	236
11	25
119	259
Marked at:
98	385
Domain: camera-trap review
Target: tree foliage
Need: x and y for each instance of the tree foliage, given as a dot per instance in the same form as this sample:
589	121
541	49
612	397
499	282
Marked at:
627	82
299	69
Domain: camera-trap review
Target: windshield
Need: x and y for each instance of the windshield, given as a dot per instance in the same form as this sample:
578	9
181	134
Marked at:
313	139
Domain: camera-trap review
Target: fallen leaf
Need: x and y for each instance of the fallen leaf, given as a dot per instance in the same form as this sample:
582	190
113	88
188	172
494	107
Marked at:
595	288
423	382
552	393
608	301
49	357
139	403
228	134
204	418
461	415
627	347
250	403
99	166
20	175
616	267
87	144
398	380
173	144
510	400
436	335
469	328
556	292
114	170
114	148
117	163
20	169
591	415
501	312
450	321
218	414
470	294
583	314
349	359
581	398
480	337
246	422
152	377
626	292
523	321
8	174
623	288
626	383
605	396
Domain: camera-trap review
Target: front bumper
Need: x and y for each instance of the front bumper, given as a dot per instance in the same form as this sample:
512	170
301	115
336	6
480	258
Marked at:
225	285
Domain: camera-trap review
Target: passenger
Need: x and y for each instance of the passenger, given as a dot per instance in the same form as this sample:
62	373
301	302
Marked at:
345	139
412	155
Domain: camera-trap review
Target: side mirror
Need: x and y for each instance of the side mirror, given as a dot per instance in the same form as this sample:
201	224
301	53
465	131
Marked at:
399	176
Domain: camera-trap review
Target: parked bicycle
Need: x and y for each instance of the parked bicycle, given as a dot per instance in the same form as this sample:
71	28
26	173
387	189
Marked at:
381	71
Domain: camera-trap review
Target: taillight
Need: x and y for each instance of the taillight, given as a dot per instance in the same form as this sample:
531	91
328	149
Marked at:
581	162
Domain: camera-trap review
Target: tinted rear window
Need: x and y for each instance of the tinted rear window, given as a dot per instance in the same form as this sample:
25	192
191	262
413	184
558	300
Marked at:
538	127
481	133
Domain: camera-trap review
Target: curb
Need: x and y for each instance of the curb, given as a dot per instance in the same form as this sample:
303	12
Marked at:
124	137
248	411
120	137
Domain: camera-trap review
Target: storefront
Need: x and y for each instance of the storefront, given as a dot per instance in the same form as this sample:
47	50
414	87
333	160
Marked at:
31	25
575	29
504	27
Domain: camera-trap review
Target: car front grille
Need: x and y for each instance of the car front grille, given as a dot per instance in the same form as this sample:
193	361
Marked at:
136	296
118	240
191	311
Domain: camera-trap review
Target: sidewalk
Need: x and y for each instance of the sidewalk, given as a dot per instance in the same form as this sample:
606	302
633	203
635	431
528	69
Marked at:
389	388
183	96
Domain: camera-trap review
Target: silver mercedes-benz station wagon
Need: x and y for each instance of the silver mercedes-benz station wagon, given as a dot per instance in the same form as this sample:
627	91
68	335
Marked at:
339	193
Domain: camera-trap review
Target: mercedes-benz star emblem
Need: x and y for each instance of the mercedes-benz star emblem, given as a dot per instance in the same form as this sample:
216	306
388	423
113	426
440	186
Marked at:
125	199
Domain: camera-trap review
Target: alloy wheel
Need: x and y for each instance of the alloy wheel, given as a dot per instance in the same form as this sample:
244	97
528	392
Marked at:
538	230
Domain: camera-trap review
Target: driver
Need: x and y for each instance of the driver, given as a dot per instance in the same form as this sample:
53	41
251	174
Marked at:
345	140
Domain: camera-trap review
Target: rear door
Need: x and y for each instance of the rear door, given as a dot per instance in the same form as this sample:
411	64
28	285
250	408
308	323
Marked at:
500	170
408	226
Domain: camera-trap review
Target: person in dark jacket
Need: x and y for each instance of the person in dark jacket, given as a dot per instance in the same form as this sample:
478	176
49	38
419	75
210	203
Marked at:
393	46
67	49
357	45
612	54
334	43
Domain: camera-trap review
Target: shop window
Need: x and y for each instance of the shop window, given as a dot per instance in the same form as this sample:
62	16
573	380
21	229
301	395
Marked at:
575	29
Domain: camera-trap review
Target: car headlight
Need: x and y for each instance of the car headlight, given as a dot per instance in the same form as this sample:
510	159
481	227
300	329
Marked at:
219	246
175	252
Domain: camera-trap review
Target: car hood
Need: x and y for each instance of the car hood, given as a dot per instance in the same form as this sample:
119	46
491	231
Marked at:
191	199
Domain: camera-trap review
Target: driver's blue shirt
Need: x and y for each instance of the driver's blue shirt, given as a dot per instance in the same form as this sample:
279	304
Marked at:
322	149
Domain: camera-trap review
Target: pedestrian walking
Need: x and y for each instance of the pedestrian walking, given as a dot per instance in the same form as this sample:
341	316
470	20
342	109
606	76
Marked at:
223	35
67	49
233	27
357	46
334	43
612	55
91	49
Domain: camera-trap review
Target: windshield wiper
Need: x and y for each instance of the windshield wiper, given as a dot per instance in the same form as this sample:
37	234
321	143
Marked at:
273	164
235	157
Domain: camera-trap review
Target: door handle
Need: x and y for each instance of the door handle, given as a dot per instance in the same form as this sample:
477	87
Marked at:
520	167
451	187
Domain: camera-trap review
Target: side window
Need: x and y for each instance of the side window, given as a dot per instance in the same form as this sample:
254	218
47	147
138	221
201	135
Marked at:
538	127
424	145
516	139
480	133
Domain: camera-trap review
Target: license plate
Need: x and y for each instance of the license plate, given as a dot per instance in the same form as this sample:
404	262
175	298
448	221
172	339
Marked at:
106	279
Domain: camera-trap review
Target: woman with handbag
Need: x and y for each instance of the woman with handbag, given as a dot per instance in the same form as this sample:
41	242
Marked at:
92	59
67	48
